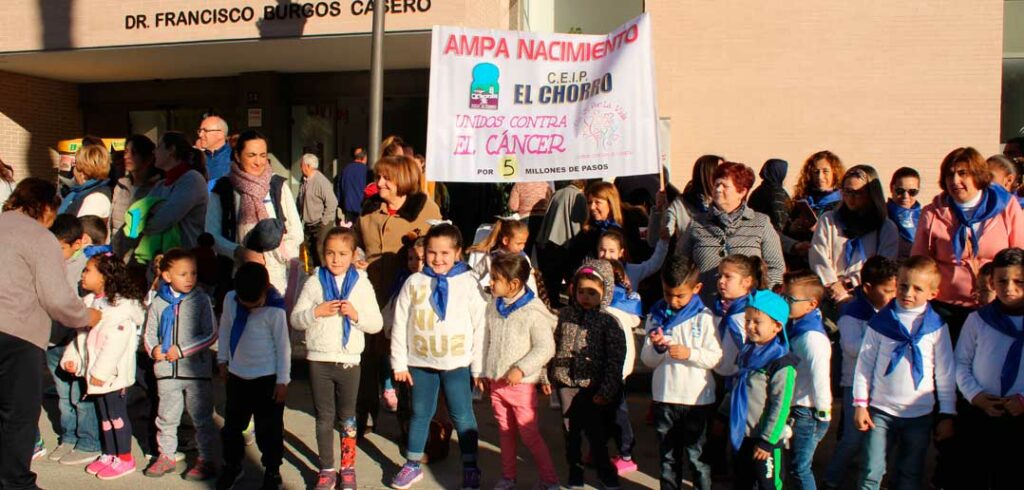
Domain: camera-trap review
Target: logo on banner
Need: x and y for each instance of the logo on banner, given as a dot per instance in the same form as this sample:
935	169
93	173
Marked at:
483	91
602	123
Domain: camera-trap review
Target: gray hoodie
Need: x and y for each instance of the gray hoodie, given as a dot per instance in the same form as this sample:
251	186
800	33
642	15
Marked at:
194	332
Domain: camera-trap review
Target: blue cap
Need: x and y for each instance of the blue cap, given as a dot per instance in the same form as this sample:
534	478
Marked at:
771	304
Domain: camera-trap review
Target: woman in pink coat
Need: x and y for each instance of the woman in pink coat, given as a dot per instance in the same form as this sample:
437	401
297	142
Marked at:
964	228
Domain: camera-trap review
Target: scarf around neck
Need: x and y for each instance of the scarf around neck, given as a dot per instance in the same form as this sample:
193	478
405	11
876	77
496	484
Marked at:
439	294
994	317
79	189
668	319
505	309
727	324
888	324
823	199
169	316
329	285
603	225
626	301
993	201
274	300
904	219
252	189
859	307
752	357
810	322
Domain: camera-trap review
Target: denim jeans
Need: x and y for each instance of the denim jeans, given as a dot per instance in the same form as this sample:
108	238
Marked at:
909	436
807	432
78	424
682	431
848	445
426	384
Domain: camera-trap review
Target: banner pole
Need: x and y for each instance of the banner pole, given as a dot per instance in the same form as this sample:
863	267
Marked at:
376	82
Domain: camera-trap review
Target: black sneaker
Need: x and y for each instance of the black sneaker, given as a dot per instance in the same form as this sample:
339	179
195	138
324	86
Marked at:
271	480
229	476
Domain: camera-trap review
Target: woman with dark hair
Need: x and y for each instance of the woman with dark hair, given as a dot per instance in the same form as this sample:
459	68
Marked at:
856	230
964	228
33	295
816	192
731	227
697	198
141	175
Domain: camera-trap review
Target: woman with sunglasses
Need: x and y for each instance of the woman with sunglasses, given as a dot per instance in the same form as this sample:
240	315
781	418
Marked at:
904	210
855	230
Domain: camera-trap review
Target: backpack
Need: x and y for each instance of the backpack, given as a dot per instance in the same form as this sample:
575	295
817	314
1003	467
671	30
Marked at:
226	192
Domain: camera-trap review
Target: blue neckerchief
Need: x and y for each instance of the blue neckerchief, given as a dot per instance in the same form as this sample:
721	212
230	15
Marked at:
859	308
905	219
94	250
77	189
439	296
668	319
827	200
627	302
603	225
993	201
330	287
810	322
853	251
274	300
506	309
994	317
727	324
888	324
752	357
167	317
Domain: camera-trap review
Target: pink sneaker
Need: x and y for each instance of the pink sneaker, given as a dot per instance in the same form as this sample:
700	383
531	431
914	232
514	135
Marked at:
117	469
100	464
623	466
390	400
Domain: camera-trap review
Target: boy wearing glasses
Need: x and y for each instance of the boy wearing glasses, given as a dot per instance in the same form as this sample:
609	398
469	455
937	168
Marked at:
812	394
904	210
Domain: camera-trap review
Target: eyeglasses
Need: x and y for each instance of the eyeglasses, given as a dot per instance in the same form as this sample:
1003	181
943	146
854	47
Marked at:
201	131
912	192
791	300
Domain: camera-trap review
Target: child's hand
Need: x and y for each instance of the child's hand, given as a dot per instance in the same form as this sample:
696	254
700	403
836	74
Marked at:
174	354
761	454
70	367
348	310
837	291
280	393
94	381
1013	405
546	389
679	352
326	309
157	354
403	377
600	400
944	430
862	419
657	337
990	404
222	371
514	376
660	201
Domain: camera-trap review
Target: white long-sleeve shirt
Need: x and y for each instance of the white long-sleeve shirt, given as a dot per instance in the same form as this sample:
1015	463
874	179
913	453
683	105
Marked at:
827	255
851	336
895	394
638	272
688	382
420	339
263	349
813	381
980	353
627	322
730	350
324	335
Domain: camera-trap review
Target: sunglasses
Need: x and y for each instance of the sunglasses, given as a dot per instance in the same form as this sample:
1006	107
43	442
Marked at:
791	300
911	192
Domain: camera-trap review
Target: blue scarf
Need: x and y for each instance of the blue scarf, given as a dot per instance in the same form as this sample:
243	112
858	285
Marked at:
993	201
994	317
827	200
603	225
627	302
274	300
77	189
94	250
752	358
330	287
859	308
727	324
905	219
810	322
668	319
506	309
888	324
168	316
439	296
1020	200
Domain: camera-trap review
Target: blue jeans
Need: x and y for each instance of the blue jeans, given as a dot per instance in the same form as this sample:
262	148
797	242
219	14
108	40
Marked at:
426	384
909	436
78	424
848	446
807	432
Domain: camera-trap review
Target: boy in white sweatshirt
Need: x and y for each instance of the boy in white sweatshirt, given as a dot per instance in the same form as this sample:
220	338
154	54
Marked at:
812	393
905	363
682	348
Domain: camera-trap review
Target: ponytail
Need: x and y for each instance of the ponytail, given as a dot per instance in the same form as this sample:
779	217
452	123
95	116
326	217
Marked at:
749	266
503	228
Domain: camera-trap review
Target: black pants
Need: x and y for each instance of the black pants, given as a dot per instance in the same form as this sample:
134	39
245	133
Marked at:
21	376
253	399
368	401
682	431
751	473
312	235
581	416
993	451
553	261
335	388
115	427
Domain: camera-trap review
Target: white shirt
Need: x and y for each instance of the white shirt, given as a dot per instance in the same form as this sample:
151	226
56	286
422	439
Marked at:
627	322
688	382
895	394
95	204
813	381
851	336
638	272
730	351
970	207
264	348
980	353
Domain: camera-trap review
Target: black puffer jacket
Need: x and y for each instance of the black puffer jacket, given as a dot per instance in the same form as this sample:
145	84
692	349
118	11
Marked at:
770	198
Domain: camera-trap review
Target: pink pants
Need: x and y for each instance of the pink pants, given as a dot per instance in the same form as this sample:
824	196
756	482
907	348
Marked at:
515	409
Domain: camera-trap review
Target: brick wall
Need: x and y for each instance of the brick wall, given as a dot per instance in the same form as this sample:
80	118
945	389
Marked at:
878	82
35	113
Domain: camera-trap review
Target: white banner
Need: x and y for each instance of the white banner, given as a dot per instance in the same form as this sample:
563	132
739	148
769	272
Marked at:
519	106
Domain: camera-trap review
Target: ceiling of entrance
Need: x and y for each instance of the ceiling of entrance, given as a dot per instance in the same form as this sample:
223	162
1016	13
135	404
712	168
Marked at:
318	54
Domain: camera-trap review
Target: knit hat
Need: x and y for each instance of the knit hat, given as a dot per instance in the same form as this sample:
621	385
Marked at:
771	304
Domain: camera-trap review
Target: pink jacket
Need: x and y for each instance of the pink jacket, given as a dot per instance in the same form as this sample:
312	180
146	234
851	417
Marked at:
934	239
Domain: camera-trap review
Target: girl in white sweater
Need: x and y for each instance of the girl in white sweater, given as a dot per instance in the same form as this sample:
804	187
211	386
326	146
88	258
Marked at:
437	342
336	308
